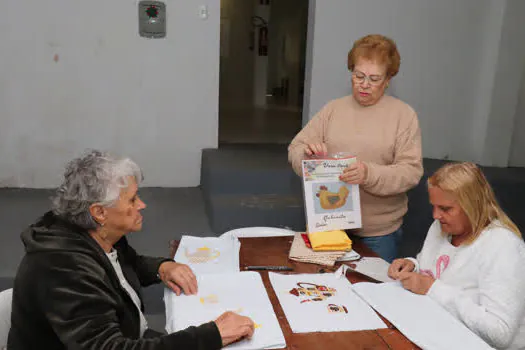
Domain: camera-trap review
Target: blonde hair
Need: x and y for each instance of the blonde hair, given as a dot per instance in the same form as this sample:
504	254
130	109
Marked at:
467	183
377	48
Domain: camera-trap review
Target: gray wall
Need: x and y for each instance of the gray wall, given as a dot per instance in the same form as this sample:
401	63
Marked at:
505	109
157	100
517	157
451	54
154	100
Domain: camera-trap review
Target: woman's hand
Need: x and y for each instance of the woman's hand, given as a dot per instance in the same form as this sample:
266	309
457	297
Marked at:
415	282
178	277
234	327
355	173
316	149
399	266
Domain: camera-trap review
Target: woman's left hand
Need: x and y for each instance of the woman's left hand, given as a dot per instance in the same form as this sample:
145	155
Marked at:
415	282
355	173
178	277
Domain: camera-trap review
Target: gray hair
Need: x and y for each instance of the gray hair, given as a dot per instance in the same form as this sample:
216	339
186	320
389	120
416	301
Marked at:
96	177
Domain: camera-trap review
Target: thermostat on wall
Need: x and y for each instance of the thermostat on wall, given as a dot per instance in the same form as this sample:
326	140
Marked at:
152	19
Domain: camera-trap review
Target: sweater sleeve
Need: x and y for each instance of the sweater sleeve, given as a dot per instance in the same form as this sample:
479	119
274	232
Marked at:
498	314
313	132
146	267
82	312
428	246
406	169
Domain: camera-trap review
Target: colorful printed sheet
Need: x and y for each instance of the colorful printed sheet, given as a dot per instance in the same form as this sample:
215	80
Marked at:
322	303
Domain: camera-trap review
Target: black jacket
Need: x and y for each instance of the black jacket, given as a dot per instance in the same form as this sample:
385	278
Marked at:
67	295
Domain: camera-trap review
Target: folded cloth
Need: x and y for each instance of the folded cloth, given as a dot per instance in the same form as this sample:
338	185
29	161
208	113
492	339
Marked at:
330	240
300	252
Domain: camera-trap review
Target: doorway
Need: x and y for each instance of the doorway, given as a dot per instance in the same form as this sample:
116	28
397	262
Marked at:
262	63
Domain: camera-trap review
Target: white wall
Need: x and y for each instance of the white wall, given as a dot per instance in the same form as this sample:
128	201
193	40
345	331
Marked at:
152	99
449	59
156	99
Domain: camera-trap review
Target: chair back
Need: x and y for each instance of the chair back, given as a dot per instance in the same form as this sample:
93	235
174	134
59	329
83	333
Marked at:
258	232
6	299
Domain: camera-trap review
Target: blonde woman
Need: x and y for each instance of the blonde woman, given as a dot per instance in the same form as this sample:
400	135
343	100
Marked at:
472	259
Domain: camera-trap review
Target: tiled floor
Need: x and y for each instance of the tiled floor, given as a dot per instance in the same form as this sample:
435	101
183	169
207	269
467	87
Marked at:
277	124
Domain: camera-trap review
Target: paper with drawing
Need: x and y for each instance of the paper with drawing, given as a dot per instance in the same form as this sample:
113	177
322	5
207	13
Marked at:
322	303
241	292
209	254
330	203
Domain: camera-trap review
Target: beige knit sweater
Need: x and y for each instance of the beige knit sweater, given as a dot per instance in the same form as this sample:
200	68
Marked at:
385	136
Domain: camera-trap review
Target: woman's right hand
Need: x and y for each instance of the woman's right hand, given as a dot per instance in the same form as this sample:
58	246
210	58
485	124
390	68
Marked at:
400	266
316	149
234	327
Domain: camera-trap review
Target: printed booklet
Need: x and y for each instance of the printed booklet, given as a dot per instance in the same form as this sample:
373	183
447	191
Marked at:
330	203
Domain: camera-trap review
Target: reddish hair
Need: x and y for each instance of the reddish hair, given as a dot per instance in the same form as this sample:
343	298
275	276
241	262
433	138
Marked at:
377	48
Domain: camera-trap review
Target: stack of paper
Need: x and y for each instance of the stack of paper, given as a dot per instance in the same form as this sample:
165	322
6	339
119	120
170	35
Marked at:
419	318
300	252
242	292
209	254
322	303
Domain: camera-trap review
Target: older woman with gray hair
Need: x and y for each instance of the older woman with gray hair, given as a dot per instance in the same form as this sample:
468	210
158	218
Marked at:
78	285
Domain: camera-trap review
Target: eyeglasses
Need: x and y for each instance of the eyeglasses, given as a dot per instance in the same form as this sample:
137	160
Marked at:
360	77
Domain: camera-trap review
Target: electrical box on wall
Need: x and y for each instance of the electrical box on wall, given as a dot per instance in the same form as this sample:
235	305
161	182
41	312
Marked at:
152	19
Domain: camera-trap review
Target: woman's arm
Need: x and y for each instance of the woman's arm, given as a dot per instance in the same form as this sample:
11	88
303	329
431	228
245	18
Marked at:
146	268
312	133
82	312
429	247
406	169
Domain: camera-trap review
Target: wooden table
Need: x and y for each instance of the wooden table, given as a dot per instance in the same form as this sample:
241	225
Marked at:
274	251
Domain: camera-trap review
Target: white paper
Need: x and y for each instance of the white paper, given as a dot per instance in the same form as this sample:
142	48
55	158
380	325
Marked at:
207	255
241	292
331	204
326	304
350	256
375	268
419	318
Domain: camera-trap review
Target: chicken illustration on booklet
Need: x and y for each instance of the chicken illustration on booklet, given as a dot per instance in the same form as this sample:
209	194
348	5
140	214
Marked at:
330	203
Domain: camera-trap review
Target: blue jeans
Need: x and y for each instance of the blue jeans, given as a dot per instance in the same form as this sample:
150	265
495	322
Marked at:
384	246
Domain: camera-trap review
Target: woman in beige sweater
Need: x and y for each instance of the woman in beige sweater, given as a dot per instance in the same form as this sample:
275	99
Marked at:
382	131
